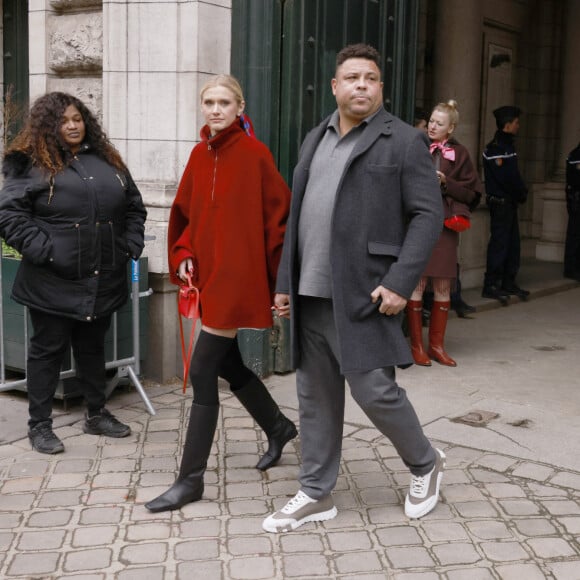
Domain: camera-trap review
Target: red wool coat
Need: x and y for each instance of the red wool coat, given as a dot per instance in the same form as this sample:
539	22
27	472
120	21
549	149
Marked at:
229	216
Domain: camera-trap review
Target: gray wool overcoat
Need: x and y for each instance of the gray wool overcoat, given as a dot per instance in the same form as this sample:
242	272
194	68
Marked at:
387	217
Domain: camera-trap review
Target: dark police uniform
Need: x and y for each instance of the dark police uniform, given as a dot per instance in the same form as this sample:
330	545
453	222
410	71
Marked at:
505	190
572	248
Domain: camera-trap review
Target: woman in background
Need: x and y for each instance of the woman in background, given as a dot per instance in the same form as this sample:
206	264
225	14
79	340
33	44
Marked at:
459	184
71	208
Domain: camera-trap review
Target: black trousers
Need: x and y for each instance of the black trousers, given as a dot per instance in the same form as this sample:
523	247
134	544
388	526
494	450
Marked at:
503	249
52	336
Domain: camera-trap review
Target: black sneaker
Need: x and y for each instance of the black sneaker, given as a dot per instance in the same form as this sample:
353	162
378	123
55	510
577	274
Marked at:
515	290
43	439
105	424
496	293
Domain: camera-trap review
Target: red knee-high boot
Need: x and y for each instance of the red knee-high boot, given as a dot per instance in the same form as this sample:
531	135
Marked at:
414	318
436	351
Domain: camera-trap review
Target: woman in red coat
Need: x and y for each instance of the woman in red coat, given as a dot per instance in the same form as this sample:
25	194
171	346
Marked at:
461	191
226	231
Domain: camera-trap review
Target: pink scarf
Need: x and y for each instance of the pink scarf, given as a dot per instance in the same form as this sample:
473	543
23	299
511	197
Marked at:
446	152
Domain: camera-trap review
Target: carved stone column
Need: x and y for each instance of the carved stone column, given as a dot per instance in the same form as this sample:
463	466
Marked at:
458	46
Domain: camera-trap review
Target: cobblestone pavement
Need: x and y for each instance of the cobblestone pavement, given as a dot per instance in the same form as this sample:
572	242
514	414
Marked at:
503	515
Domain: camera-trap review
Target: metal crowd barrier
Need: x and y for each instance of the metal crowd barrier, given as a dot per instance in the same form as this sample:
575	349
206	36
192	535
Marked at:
125	367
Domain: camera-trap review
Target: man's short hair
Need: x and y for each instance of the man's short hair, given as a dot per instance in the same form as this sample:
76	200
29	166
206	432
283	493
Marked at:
359	50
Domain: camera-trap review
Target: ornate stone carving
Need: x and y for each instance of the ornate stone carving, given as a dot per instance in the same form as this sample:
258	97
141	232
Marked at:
88	89
76	44
62	5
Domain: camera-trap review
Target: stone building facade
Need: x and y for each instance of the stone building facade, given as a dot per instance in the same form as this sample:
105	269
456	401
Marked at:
140	64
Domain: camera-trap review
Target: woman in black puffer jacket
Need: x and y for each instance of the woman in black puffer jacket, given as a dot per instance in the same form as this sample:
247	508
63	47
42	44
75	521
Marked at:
71	208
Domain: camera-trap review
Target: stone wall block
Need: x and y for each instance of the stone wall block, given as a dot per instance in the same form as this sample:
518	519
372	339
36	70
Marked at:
76	44
88	89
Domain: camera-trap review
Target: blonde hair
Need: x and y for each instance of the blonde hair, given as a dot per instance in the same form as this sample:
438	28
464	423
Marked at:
450	107
227	81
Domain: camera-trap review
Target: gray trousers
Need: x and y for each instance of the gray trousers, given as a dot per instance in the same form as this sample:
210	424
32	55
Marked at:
321	395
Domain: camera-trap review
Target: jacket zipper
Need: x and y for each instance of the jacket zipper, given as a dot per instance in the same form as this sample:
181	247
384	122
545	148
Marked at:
209	148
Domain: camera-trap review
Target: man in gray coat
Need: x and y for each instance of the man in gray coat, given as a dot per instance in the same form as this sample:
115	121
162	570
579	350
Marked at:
366	212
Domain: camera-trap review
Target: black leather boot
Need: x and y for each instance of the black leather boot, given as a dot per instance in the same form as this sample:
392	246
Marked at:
278	428
188	486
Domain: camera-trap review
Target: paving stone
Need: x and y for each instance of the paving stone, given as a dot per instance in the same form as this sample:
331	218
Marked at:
409	557
6	540
398	536
539	490
357	562
197	550
156	479
499	463
461	493
565	570
305	565
112	480
455	476
148	573
203	528
486	476
60	498
476	509
16	502
249	546
379	496
251	568
345	519
456	553
489	530
535	527
562	507
119	464
97	559
520	572
358	452
572	524
101	515
471	574
143	553
444	532
153	531
407	576
248	507
567	479
85	577
51	518
369	480
33	564
21	484
504	490
73	466
504	551
551	548
349	540
386	515
113	495
45	540
243	490
206	569
67	481
520	507
533	471
29	468
9	521
94	536
301	542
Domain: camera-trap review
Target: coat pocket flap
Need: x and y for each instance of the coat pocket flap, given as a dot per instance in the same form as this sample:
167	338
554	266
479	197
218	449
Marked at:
384	249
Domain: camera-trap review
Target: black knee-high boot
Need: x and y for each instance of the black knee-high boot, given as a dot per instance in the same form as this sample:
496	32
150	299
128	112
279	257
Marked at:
278	428
256	399
188	486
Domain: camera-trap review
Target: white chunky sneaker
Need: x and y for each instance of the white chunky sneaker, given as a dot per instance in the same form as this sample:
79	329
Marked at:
300	510
424	491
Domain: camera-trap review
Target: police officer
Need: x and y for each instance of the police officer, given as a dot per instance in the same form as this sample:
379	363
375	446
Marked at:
505	190
572	249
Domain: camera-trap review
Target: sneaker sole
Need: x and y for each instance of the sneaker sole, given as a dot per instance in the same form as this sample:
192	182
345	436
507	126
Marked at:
318	517
89	431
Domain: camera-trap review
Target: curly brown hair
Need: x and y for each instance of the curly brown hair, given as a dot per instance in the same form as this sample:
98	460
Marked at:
41	140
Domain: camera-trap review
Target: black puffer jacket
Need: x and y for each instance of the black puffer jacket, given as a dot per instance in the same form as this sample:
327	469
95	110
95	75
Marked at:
75	232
